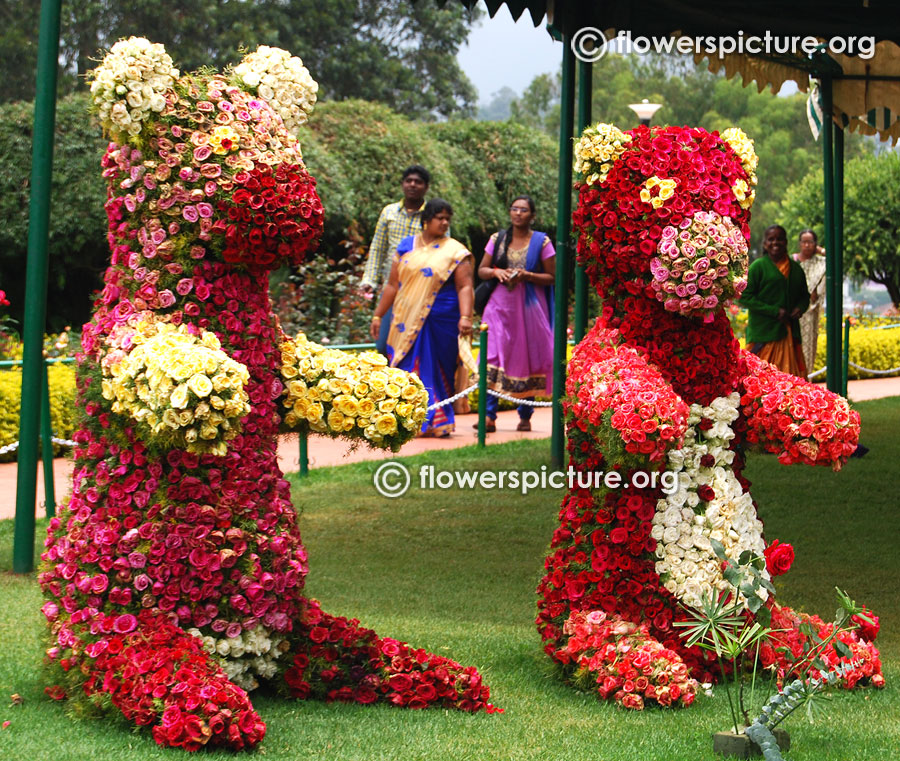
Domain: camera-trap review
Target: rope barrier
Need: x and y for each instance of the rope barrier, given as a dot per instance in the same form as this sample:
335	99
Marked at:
453	398
892	371
526	402
15	445
498	394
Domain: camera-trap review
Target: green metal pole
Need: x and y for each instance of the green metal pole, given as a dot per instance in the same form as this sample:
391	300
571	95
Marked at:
832	275
845	365
585	90
304	454
482	383
36	285
837	297
563	227
47	446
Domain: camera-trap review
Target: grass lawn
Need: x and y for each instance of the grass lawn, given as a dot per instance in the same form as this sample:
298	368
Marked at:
455	571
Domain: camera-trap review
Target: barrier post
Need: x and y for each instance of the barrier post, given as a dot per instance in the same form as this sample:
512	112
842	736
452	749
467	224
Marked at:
846	356
36	274
304	454
482	382
47	446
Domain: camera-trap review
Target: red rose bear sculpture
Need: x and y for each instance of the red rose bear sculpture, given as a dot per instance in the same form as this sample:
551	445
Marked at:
174	577
660	390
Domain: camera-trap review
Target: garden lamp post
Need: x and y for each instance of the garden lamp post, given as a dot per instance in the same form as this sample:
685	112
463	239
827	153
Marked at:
645	110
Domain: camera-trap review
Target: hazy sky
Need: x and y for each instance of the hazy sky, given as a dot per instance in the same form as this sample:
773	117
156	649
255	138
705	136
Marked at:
501	52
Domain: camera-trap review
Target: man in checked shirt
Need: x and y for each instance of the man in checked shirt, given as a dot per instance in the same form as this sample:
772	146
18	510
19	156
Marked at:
396	221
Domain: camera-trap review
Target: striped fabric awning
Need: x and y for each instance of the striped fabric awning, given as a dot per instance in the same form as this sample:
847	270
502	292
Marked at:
866	94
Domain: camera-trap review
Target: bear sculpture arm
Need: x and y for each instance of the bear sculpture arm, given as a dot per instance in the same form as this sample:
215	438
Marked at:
796	420
356	396
622	401
178	386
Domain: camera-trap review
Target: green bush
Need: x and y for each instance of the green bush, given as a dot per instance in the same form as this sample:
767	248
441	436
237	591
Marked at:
62	405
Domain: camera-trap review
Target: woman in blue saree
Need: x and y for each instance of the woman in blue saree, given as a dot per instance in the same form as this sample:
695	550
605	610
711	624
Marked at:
432	293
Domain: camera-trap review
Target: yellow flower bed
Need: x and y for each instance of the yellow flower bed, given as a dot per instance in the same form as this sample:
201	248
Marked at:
62	405
356	395
876	349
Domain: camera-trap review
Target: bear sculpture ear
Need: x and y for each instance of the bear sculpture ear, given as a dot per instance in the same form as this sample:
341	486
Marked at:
280	79
598	149
130	85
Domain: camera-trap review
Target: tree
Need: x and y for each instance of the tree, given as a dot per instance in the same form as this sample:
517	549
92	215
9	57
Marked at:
498	109
393	51
871	223
77	248
18	48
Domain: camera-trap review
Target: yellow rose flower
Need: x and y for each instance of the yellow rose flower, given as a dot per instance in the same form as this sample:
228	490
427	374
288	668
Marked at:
387	405
170	419
386	425
288	371
297	388
360	389
392	389
200	385
373	358
366	407
410	392
179	397
348	405
335	420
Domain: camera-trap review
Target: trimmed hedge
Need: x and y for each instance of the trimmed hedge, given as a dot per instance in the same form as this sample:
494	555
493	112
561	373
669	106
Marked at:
62	405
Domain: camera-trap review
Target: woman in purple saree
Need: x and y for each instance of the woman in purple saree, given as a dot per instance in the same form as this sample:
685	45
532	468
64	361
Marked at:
519	313
431	291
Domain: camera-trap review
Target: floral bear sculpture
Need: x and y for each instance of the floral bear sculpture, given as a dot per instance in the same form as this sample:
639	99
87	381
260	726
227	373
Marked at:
174	578
660	384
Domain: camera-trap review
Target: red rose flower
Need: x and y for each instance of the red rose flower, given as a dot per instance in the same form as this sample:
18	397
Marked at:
706	493
779	558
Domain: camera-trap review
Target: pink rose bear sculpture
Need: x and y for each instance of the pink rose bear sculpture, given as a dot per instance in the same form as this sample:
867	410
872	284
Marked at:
174	578
660	388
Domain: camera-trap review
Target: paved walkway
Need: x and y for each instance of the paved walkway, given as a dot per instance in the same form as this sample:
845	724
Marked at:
324	452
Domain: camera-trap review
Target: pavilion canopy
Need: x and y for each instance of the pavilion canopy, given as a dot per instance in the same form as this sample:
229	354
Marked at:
866	91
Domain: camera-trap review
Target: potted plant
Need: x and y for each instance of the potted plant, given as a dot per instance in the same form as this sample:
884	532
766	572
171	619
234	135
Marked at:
736	624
